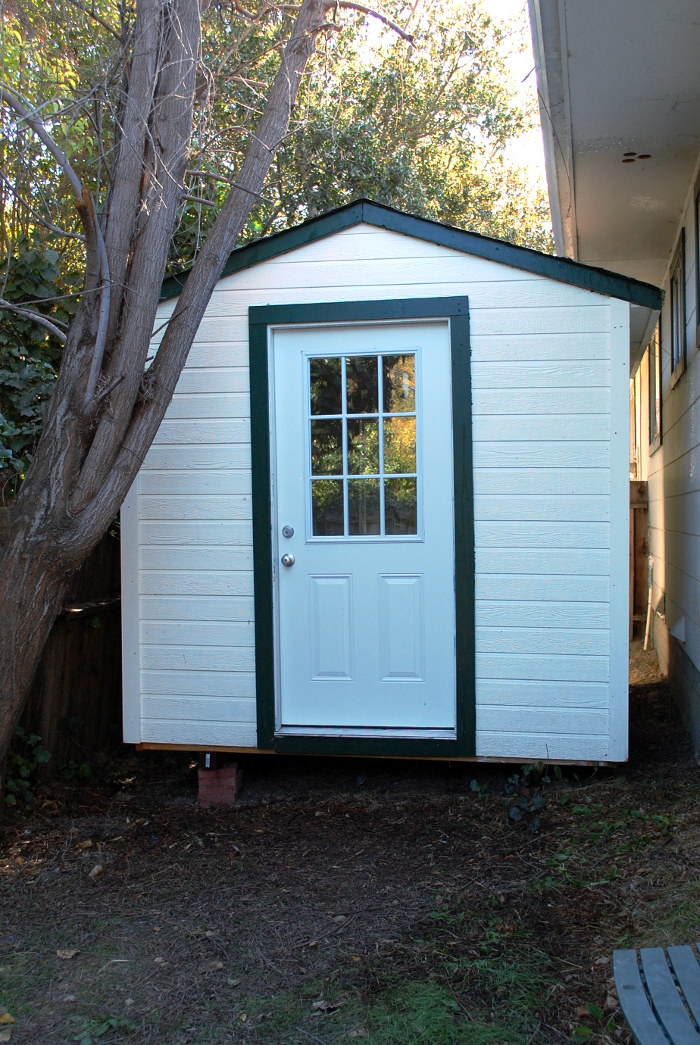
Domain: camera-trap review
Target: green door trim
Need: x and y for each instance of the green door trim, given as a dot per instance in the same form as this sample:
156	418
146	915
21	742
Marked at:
456	310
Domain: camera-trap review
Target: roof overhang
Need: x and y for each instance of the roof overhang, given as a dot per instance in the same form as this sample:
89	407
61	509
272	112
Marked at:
616	78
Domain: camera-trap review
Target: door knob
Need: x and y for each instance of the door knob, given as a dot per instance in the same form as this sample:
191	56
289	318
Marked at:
288	560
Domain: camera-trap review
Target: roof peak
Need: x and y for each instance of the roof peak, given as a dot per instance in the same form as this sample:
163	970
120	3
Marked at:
563	270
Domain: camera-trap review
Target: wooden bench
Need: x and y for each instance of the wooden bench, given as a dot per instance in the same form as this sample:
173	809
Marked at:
660	999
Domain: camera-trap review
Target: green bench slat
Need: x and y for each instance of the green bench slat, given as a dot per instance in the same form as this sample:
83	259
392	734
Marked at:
687	970
633	1000
665	997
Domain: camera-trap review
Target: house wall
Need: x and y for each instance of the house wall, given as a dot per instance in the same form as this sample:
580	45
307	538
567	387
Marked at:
673	474
550	437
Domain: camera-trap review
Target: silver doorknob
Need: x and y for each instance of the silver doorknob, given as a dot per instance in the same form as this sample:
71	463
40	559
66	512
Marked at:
288	560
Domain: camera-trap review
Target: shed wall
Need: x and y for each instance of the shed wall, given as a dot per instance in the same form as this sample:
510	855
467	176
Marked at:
544	423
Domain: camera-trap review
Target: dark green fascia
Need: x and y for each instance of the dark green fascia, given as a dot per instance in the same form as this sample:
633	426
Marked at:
456	309
563	270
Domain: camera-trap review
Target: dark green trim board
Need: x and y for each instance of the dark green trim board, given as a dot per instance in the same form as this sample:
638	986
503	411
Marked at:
564	270
456	310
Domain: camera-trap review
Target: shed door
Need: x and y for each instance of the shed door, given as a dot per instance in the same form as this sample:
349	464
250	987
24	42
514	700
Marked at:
363	477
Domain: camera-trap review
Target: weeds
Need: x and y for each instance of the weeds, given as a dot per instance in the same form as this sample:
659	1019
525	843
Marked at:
23	762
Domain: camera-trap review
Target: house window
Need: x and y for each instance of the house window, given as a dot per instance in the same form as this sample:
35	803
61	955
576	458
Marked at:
655	389
678	311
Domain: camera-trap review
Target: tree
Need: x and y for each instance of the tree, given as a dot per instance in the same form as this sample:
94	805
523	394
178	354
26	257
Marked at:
421	128
137	111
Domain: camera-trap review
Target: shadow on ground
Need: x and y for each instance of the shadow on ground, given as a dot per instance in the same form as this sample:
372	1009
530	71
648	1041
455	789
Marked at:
394	902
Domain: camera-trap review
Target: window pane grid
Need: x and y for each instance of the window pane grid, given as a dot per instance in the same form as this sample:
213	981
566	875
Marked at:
376	501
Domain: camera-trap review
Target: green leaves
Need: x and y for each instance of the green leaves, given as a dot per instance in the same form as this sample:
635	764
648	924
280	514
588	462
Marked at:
29	355
23	761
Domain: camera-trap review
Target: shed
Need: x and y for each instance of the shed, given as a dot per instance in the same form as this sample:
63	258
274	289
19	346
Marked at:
387	510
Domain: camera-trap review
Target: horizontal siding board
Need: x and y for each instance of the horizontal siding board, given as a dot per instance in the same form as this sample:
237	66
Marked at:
548	561
557	641
193	709
196	582
228	557
539	347
196	608
197	633
540	535
559	481
528	400
550	589
535	666
547	746
516	508
199	683
323	278
204	508
593	320
533	453
546	695
197	658
566	376
542	614
197	458
199	734
195	532
193	483
557	428
582	721
212	353
178	431
213	380
209	405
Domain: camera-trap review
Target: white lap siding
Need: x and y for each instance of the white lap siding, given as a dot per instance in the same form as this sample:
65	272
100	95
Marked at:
543	422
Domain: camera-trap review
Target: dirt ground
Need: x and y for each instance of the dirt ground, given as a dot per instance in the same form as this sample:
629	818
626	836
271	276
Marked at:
387	901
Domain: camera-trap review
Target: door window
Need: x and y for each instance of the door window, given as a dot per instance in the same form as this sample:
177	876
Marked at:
362	445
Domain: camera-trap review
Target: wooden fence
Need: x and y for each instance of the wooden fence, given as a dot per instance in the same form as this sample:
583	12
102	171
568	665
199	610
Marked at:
75	700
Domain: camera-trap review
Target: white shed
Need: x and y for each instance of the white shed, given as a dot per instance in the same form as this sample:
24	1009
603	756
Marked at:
387	510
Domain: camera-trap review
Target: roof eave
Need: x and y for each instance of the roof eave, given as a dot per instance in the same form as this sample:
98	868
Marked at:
561	269
548	30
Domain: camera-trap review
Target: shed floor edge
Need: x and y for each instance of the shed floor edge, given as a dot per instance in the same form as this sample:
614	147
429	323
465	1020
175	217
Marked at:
493	759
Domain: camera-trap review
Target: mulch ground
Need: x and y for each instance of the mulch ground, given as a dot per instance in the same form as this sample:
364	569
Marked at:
392	902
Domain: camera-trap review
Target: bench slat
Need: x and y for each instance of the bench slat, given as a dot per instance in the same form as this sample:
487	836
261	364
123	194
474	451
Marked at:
633	1000
665	997
685	965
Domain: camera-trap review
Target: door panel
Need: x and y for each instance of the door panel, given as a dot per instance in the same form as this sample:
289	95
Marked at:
402	641
363	486
331	627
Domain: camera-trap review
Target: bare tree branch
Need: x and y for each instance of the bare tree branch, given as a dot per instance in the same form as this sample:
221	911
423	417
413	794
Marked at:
86	209
350	5
31	118
36	317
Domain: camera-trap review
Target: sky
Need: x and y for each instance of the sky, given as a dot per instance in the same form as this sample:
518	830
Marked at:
527	151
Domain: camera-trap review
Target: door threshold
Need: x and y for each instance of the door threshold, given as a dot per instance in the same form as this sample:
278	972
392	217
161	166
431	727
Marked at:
378	732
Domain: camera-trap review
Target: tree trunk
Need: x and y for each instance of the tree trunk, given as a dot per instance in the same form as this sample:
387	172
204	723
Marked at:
88	455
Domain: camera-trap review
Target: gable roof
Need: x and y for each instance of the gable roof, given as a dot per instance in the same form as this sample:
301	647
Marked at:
564	270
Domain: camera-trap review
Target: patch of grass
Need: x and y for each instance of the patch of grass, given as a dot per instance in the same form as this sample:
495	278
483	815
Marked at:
403	1012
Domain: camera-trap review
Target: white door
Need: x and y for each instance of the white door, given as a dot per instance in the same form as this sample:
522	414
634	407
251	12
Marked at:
363	511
